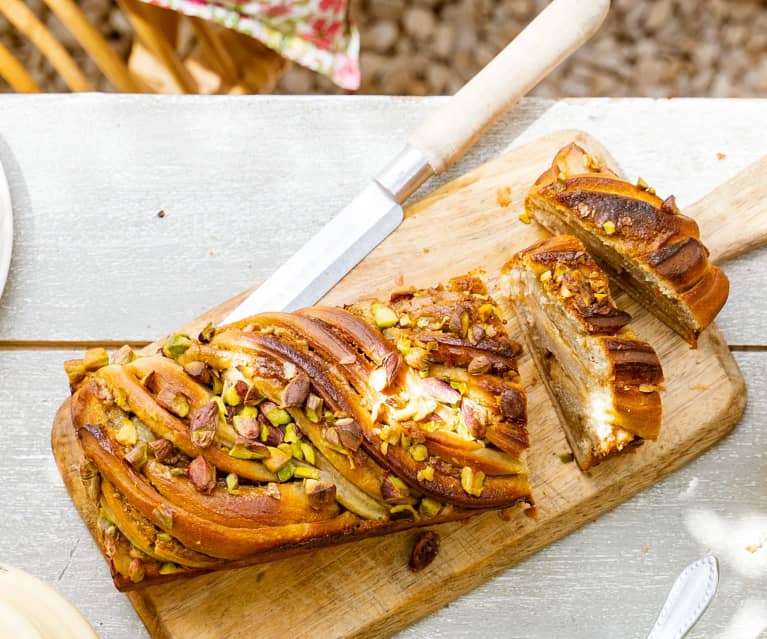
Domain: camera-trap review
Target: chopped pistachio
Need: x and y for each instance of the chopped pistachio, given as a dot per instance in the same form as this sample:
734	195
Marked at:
403	345
123	355
249	411
163	515
218	385
180	406
561	177
163	536
545	276
566	458
384	316
276	460
169	568
600	296
287	471
308	452
278	416
232	483
121	399
461	387
231	396
559	270
405	321
137	456
296	391
264	435
302	472
297	451
419	452
207	333
286	448
95	358
313	408
239	451
429	507
404	441
136	571
486	311
524	218
609	227
291	435
176	345
425	474
127	435
384	447
472	481
565	292
75	370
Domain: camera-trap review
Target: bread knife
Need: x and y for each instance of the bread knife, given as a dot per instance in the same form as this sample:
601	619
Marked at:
562	27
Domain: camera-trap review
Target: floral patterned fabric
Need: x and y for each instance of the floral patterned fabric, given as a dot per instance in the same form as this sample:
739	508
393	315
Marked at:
314	33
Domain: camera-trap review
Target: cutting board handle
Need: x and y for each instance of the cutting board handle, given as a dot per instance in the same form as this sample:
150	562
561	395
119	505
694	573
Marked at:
735	218
562	27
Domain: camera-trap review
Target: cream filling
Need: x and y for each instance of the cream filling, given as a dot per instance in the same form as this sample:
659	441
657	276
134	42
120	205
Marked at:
580	360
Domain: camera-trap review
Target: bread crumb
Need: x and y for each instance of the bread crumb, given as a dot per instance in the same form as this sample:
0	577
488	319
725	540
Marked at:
426	249
566	458
698	387
646	549
753	548
161	213
503	196
721	156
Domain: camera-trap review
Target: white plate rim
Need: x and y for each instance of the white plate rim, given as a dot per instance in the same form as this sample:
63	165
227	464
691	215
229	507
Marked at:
6	229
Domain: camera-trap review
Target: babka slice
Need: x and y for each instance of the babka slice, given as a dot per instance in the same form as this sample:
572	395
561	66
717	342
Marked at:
603	381
645	243
288	431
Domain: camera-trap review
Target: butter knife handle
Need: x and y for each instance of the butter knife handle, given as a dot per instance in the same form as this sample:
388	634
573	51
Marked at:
689	597
562	27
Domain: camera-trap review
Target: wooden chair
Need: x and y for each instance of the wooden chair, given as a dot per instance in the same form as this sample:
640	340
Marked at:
221	60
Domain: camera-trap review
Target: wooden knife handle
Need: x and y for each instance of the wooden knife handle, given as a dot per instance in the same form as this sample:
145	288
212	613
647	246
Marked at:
562	27
735	219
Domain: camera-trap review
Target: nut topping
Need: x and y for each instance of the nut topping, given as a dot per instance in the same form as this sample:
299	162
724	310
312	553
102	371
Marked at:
202	426
162	449
479	365
296	391
320	493
202	475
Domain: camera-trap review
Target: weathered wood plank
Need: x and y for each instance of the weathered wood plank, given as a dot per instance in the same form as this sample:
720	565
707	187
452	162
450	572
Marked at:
244	182
623	562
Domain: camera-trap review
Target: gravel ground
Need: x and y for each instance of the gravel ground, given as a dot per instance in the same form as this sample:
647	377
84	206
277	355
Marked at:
658	48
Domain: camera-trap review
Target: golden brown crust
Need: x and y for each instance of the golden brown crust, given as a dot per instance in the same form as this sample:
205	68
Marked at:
559	278
623	221
288	431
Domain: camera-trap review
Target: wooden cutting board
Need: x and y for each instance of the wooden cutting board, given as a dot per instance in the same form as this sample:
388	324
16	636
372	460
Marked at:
365	589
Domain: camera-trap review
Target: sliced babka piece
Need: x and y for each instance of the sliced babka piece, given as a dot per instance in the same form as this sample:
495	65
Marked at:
644	242
603	381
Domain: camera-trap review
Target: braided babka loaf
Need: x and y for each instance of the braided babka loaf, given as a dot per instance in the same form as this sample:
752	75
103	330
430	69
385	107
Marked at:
603	381
287	431
651	249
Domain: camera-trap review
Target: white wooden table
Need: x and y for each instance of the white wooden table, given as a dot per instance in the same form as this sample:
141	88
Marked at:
243	182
